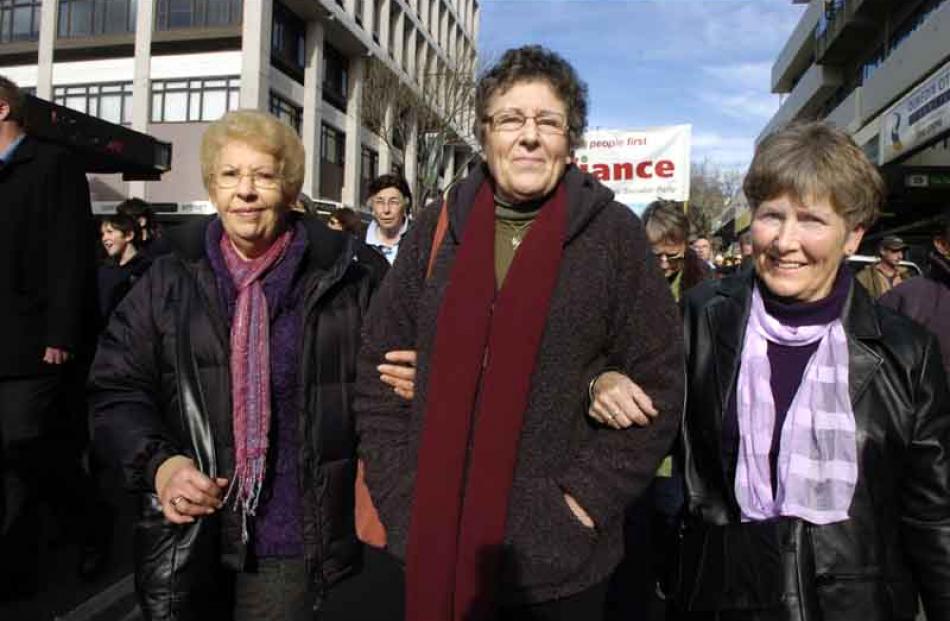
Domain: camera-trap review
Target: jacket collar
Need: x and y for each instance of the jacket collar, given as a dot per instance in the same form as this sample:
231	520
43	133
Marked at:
729	314
24	152
586	197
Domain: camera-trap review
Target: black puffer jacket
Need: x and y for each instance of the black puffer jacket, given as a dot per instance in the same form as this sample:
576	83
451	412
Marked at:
160	387
896	543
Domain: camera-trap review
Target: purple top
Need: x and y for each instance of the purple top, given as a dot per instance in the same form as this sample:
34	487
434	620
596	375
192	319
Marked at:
278	526
787	362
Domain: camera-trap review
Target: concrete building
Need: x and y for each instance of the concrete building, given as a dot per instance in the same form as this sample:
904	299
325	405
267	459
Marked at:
881	70
169	67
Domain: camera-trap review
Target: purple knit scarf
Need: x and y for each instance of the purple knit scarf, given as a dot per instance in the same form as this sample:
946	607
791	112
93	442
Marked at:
817	461
250	372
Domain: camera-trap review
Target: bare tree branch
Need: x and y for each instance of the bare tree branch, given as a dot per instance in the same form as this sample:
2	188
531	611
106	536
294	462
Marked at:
439	106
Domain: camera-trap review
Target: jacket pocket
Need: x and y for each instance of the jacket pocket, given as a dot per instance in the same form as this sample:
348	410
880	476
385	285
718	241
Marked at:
748	566
546	543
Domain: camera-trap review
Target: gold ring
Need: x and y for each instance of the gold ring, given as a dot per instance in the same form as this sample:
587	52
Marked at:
176	500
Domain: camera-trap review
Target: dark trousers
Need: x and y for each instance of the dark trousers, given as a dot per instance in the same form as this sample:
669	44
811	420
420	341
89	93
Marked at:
39	460
276	590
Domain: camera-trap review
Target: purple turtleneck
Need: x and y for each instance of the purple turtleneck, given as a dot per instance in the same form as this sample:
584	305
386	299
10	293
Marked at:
788	362
278	525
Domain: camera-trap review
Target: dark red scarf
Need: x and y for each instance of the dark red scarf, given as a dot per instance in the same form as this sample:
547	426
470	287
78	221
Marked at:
484	354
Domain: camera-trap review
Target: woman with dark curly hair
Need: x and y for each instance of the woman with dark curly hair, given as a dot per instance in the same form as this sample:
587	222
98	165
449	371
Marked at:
503	499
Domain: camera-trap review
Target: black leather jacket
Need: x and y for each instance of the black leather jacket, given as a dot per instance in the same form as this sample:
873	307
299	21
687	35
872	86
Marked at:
160	386
896	543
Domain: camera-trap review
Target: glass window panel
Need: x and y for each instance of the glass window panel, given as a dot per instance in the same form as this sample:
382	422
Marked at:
195	85
76	103
176	85
22	22
117	16
92	106
215	83
214	105
176	107
63	20
110	108
180	14
126	109
194	106
233	100
156	108
217	12
80	18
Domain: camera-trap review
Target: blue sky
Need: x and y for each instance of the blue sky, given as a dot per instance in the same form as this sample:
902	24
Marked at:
661	62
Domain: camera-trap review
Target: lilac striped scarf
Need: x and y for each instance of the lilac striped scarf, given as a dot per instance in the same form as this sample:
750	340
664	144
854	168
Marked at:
250	372
817	460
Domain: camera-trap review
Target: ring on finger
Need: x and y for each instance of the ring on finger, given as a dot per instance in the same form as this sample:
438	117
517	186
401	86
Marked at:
177	499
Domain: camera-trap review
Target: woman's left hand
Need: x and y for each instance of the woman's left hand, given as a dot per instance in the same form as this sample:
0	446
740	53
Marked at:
399	371
619	402
582	516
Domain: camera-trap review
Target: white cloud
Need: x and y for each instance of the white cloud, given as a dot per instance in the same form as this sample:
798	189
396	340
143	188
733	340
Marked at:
746	75
727	152
748	105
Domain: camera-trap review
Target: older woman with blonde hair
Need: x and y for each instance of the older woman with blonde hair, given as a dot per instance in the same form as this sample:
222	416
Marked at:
222	386
816	434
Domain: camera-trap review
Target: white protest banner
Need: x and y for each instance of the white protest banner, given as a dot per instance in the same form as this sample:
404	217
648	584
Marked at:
917	119
639	165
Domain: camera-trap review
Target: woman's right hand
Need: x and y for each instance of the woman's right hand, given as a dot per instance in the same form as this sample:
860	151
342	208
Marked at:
618	402
185	492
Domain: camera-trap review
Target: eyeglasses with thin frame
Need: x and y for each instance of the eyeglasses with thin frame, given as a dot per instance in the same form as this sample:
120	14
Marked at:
669	257
510	120
260	179
395	202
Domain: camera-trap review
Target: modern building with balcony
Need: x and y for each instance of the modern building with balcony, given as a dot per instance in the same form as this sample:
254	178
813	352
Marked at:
879	69
169	67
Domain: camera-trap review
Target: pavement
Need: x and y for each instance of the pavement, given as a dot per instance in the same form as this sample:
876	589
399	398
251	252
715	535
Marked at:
62	595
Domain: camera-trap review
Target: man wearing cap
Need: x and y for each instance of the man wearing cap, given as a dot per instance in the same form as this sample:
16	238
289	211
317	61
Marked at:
887	273
927	300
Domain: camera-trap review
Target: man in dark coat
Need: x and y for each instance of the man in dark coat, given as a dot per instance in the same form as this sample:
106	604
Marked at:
46	265
927	300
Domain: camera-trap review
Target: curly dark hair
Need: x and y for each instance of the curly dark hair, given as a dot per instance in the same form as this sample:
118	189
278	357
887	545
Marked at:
382	182
526	64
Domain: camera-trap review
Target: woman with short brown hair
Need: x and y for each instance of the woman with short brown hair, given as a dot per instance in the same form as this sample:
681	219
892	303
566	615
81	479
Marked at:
816	436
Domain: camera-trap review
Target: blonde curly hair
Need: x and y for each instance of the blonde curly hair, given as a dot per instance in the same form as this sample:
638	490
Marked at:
260	131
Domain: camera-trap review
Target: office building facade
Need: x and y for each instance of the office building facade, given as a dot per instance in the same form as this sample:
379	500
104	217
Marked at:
879	69
169	67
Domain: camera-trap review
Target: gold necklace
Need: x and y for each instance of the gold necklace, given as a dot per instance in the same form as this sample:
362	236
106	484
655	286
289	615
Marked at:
516	238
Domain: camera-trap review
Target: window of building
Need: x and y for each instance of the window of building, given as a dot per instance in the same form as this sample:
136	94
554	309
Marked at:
369	163
332	146
406	38
203	99
110	102
19	20
173	14
377	18
360	9
288	42
393	22
286	110
83	18
336	69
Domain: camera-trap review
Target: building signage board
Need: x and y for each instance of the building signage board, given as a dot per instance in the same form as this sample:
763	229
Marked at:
918	118
639	165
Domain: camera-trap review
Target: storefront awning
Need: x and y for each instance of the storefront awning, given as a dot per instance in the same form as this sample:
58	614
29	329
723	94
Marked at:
99	146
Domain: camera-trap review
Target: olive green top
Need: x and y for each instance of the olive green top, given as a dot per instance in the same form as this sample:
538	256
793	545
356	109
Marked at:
511	227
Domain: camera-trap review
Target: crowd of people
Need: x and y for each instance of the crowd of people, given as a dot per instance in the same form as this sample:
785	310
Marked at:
480	412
